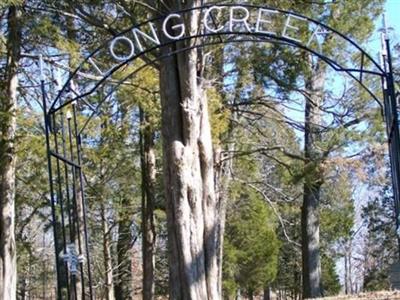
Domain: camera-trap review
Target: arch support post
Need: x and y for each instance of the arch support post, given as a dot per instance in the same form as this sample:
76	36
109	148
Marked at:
51	179
392	126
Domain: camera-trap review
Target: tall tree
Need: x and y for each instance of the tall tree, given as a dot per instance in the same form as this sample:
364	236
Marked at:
317	142
148	169
312	185
148	203
8	110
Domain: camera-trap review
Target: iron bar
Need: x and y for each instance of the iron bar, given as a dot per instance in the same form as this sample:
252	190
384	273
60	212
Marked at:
392	156
60	200
395	141
72	230
362	68
65	160
73	279
66	179
75	203
79	158
52	200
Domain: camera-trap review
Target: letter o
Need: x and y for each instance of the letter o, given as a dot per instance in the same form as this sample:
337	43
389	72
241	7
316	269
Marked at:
118	57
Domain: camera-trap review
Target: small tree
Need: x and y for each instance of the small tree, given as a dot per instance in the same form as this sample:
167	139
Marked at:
251	246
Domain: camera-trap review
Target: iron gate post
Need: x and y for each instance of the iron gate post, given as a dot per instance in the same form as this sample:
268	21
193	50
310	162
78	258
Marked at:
392	125
50	173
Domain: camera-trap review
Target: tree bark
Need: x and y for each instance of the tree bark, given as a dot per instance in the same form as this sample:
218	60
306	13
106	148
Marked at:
267	293
223	169
346	279
123	282
148	162
251	295
188	171
8	107
108	266
311	266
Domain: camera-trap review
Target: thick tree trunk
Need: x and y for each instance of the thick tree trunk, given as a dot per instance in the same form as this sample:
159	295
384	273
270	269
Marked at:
312	287
123	282
108	266
310	243
238	295
251	295
148	162
267	293
8	107
188	172
346	270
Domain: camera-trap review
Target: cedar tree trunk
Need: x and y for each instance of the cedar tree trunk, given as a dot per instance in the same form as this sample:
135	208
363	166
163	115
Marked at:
188	171
148	162
108	265
123	281
312	287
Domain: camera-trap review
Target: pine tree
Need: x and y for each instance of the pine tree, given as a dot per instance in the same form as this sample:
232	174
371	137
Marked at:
251	245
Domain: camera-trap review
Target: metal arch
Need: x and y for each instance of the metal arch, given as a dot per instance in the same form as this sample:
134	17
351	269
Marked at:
332	62
121	81
261	39
266	38
116	85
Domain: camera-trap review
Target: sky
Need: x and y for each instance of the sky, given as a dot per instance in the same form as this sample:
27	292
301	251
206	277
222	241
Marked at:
393	17
392	12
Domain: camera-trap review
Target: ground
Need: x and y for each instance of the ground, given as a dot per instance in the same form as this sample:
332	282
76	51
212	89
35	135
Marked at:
387	295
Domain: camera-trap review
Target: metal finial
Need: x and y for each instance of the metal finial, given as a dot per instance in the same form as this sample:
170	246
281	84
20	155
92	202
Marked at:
384	25
383	44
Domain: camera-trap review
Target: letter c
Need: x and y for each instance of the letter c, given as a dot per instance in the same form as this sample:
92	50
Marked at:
207	14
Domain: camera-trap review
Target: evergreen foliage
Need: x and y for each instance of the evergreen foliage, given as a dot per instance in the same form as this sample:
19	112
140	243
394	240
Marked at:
251	245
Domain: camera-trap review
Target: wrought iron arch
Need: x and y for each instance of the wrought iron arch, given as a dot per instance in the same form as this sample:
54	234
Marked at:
63	138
